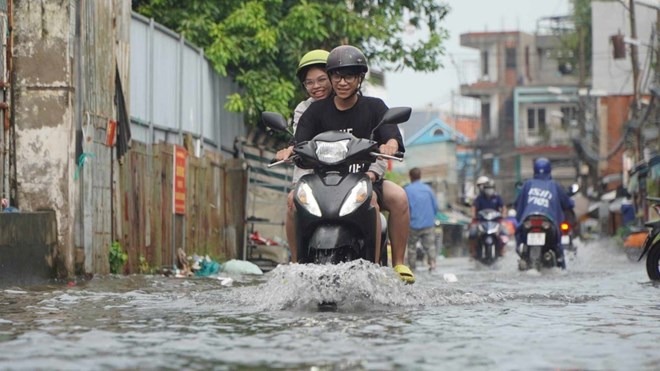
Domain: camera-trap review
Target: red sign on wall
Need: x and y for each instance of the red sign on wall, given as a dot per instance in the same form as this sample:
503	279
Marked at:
111	133
179	203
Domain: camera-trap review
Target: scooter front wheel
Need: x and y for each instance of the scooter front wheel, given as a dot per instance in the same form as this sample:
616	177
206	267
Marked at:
653	262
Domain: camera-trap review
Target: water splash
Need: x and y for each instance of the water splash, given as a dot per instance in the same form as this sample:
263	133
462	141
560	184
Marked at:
360	285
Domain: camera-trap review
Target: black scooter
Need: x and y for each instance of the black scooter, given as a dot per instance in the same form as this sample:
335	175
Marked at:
651	245
540	236
539	240
489	242
335	221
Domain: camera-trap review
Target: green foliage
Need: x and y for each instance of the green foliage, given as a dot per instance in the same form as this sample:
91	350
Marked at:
259	42
117	258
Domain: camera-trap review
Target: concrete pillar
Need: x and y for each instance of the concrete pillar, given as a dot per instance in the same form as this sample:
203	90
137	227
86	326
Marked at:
43	114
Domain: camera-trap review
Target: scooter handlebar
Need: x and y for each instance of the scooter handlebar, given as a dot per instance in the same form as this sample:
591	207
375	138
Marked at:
397	156
275	162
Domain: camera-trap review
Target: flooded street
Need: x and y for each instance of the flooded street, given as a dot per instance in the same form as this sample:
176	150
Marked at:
602	313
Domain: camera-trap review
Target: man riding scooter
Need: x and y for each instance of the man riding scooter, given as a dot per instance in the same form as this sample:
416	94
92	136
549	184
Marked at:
487	199
544	196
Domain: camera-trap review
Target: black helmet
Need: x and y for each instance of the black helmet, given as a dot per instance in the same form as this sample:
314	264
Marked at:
347	56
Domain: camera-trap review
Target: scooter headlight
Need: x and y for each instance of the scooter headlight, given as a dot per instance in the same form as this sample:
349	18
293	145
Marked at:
355	198
306	198
331	152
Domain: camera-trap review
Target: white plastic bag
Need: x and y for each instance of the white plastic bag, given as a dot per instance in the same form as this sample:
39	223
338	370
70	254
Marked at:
240	267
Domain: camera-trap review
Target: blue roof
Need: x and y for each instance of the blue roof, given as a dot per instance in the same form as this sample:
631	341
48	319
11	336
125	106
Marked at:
436	131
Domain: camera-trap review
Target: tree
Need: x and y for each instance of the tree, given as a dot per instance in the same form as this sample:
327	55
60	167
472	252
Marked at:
258	42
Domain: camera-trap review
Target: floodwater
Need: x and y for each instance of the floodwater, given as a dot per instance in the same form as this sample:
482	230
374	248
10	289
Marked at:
600	314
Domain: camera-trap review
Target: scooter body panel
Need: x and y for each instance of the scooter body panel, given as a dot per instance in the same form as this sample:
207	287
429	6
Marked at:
355	231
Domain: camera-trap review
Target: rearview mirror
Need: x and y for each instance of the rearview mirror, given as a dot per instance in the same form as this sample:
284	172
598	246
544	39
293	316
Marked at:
573	189
275	121
394	115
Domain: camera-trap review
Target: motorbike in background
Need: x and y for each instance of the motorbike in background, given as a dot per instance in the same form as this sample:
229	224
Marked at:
334	217
566	239
489	241
651	246
567	227
540	238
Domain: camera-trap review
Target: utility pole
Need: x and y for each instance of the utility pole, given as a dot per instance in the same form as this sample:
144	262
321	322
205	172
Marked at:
635	105
635	64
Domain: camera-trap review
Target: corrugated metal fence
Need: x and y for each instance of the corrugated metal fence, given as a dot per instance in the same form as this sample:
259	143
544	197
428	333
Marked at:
175	90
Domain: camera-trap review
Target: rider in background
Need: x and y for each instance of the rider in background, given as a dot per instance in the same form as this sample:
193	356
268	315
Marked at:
487	199
543	195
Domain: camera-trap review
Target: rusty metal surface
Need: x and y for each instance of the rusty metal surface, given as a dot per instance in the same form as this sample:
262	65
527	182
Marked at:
145	187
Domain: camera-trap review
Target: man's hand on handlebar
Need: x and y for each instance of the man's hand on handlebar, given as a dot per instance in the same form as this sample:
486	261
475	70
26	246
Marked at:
284	154
388	149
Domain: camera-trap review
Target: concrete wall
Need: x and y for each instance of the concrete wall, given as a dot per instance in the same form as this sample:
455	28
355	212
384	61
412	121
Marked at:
27	247
43	112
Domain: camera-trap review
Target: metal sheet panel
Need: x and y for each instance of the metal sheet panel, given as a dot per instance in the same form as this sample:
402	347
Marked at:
175	88
208	108
166	81
140	68
190	91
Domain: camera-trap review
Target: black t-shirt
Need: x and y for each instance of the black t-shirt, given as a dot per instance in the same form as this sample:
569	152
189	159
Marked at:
359	120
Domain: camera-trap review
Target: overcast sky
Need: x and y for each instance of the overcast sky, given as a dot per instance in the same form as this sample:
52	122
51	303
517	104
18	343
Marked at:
417	90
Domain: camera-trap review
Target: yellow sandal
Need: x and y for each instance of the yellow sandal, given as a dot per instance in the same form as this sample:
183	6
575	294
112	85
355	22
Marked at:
405	273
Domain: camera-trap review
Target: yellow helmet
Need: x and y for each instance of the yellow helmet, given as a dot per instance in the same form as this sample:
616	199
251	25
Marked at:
315	57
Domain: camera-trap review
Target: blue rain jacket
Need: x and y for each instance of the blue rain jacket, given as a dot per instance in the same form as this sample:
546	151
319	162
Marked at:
542	195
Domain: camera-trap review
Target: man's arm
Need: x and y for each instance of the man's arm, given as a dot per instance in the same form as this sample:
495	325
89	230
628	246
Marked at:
306	126
378	169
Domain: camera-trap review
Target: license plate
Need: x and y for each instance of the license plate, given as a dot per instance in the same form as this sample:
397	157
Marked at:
565	240
535	239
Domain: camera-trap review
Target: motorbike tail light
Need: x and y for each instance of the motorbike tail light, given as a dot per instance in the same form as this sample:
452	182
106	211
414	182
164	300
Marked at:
537	222
546	224
527	224
564	227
